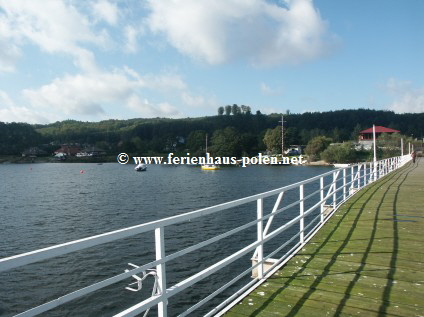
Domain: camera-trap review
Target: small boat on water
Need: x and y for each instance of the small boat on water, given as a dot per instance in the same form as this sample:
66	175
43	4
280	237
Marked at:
141	167
340	165
209	167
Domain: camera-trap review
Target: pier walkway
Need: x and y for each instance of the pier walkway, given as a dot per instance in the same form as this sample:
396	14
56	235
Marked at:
368	260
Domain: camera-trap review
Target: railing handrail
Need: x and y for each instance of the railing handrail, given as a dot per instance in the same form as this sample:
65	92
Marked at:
359	179
81	244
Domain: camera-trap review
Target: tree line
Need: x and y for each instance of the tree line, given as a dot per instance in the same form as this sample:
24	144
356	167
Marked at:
230	133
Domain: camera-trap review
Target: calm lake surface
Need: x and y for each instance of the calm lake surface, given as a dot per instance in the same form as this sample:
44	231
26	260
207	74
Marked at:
46	204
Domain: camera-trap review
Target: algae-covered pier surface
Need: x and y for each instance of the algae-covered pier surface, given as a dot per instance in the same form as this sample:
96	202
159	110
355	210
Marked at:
368	260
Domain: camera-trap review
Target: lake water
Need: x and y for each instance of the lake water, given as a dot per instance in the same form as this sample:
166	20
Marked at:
46	204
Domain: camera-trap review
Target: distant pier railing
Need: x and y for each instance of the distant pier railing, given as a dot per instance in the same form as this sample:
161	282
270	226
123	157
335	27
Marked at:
314	206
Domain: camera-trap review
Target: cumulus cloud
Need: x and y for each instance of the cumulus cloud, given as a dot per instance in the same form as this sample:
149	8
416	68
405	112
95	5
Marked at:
261	32
24	114
89	94
407	98
198	101
55	27
5	100
131	35
144	107
9	112
9	51
106	11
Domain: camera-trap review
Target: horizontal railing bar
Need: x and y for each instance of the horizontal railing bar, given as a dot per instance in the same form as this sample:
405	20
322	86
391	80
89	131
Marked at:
86	290
136	309
222	288
310	195
311	233
282	246
240	291
76	245
197	246
180	286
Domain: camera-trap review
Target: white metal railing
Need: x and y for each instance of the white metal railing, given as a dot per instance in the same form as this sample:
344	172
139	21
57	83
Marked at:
329	191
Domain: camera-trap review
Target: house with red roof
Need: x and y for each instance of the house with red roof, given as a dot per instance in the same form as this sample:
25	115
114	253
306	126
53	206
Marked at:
70	150
367	134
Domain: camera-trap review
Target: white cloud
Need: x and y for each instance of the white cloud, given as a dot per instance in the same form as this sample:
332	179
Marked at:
165	82
261	32
145	108
5	100
197	101
55	27
24	114
9	51
407	98
130	34
9	112
89	95
106	11
268	91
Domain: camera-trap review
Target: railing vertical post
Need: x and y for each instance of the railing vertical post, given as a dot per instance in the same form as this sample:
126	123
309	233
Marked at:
301	211
334	190
368	173
365	175
161	270
344	184
260	236
358	182
352	171
375	171
321	186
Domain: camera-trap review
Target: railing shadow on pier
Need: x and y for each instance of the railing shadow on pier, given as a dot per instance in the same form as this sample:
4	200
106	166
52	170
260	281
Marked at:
318	199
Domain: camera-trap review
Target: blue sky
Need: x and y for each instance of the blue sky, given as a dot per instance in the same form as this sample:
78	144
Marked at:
102	59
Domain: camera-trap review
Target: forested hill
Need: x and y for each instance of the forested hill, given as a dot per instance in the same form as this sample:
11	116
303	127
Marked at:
243	131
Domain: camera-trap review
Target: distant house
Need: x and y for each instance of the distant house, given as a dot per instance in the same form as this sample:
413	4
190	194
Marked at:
33	152
293	150
91	151
366	136
69	150
368	133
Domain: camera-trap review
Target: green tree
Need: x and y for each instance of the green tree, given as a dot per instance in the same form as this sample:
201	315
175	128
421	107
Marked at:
355	133
340	153
248	110
316	146
221	111
272	140
249	144
235	109
196	142
291	136
226	142
228	110
336	135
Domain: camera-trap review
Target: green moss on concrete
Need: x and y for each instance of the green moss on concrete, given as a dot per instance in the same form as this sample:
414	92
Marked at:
366	261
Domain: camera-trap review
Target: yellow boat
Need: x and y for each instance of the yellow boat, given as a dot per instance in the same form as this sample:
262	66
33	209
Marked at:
210	167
